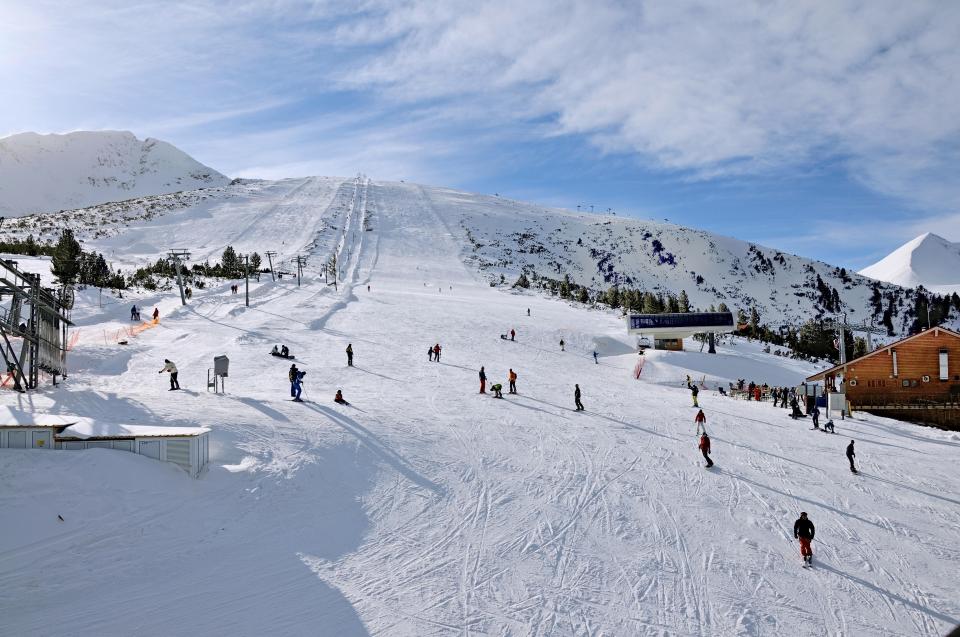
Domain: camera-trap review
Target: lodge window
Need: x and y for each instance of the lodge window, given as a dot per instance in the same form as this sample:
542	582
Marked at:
944	372
893	354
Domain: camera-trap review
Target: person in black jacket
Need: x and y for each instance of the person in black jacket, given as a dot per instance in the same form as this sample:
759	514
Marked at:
576	398
850	456
804	531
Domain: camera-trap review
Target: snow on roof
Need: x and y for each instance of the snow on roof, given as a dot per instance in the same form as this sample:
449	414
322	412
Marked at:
90	429
13	417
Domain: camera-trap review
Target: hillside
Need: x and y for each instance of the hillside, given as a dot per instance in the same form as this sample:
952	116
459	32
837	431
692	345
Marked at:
48	173
928	260
501	237
424	508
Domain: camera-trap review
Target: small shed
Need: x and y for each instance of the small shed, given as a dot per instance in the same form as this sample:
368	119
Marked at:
20	429
186	447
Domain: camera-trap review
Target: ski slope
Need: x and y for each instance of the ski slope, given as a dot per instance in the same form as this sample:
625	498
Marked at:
425	508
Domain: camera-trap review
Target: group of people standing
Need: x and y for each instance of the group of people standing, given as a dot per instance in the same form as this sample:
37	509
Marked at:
433	353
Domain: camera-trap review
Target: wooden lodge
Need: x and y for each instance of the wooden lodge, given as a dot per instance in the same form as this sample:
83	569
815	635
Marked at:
915	379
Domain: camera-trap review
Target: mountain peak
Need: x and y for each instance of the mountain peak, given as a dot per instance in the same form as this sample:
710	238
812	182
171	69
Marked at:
928	260
50	172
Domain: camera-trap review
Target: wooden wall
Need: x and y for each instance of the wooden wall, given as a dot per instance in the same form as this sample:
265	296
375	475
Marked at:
916	358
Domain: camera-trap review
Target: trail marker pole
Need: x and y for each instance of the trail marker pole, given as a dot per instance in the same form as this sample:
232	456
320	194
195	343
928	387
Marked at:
246	278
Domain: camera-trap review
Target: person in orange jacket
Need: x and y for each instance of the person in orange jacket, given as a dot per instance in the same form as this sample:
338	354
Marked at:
512	377
705	448
339	398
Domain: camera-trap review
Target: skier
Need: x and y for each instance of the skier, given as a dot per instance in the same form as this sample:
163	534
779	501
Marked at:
134	314
156	315
528	311
349	354
339	398
175	384
512	377
483	380
595	357
297	385
693	394
513	335
701	420
576	397
816	417
436	353
705	448
292	377
850	456
429	353
368	288
804	531
497	389
562	345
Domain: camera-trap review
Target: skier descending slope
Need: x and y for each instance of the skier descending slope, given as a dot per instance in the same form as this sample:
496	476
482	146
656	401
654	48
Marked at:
804	531
705	448
576	398
701	420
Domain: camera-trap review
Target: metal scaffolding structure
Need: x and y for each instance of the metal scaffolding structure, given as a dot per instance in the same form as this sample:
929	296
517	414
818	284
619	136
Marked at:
33	327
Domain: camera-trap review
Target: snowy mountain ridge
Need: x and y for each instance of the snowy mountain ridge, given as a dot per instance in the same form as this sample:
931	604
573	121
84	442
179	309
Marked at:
47	173
928	260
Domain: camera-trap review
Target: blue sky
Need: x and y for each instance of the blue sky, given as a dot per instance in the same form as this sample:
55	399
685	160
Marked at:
828	129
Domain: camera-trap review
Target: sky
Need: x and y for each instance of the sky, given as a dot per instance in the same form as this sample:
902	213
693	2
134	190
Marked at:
826	129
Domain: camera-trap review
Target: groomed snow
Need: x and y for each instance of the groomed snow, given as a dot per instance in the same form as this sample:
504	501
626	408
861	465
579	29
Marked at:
424	508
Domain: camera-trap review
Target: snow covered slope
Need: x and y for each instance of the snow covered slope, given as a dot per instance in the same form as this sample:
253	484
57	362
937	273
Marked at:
425	508
46	173
928	260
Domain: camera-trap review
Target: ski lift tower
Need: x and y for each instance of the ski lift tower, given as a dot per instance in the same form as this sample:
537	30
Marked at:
177	257
843	326
33	327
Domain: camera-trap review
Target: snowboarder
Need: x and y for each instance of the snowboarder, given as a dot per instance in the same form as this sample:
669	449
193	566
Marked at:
349	354
483	381
339	398
156	315
562	345
275	351
705	448
804	531
576	397
701	421
134	313
513	335
175	384
795	406
292	377
436	353
297	386
512	377
816	417
430	353
596	362
693	394
528	311
497	389
828	426
284	351
850	456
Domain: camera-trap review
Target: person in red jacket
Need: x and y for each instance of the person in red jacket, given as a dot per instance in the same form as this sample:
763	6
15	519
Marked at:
701	420
705	448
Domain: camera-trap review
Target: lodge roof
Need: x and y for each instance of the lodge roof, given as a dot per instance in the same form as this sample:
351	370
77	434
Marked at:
935	331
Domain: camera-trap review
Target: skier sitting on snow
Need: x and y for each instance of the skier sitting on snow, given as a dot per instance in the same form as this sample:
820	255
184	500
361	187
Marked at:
275	351
284	351
339	398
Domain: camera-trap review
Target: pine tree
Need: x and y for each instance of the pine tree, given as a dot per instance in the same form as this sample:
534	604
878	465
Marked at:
754	320
723	307
583	296
230	263
673	306
65	263
613	297
684	301
522	282
650	303
255	262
